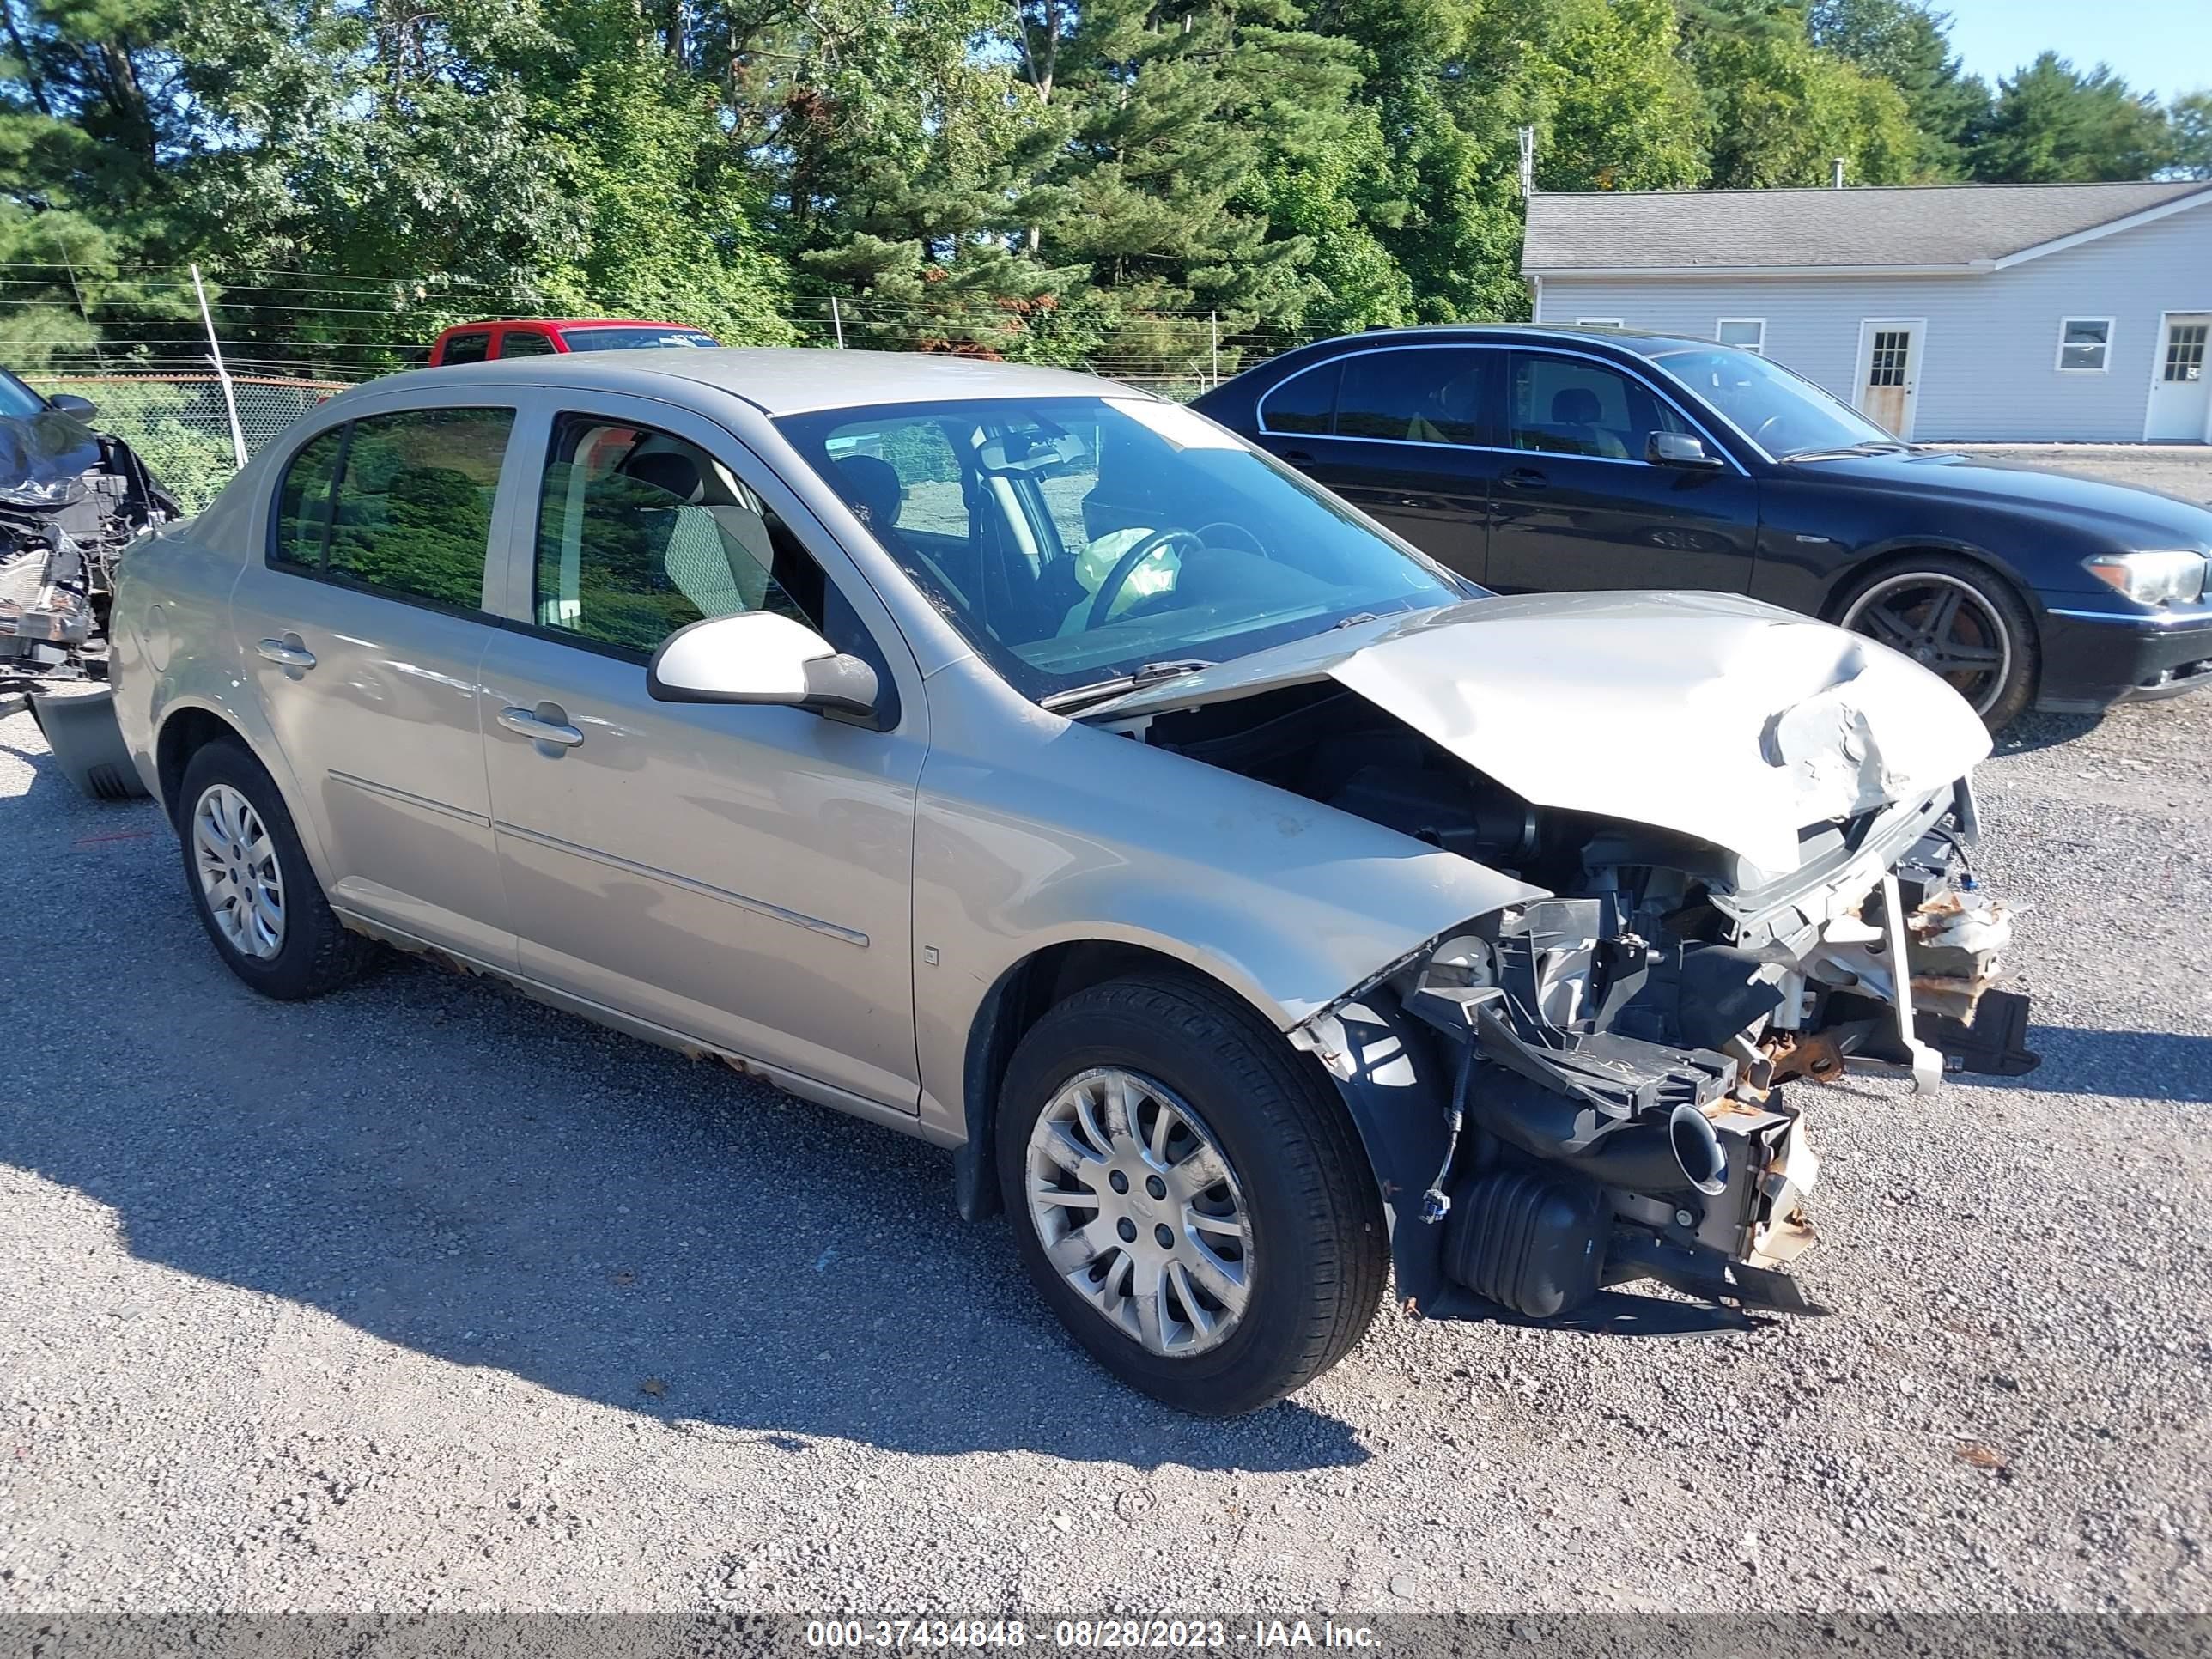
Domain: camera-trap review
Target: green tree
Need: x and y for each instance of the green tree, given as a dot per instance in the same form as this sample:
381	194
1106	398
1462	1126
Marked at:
2189	121
2054	125
1905	44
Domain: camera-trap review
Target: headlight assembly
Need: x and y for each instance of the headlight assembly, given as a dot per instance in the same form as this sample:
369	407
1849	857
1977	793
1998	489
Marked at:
2163	578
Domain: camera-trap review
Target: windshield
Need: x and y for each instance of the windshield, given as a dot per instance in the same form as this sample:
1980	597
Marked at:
1781	413
1077	541
623	339
17	398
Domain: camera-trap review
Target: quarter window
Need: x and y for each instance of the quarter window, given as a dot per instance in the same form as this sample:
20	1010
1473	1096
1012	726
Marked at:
467	349
2085	343
1748	333
1428	395
1571	406
640	533
399	504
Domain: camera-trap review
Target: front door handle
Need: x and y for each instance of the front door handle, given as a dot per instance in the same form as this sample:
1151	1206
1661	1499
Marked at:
547	723
1523	478
287	653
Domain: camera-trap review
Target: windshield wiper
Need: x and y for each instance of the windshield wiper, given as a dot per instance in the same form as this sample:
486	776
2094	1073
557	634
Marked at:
1872	446
1151	674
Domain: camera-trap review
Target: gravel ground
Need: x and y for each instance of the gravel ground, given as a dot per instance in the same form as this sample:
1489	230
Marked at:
422	1297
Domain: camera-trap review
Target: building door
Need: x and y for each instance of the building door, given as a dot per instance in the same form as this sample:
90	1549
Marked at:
2181	395
1889	371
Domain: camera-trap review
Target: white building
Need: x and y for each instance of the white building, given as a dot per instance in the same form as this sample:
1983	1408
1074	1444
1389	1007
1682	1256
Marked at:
2021	312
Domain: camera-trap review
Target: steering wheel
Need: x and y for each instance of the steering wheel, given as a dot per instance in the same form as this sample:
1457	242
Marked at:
1126	567
1206	532
1758	434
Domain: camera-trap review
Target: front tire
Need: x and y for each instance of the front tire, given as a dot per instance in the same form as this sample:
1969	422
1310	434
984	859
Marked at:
1958	620
250	882
1188	1196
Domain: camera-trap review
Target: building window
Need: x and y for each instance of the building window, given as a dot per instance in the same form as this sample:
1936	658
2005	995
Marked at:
1746	332
2084	344
2185	352
1599	322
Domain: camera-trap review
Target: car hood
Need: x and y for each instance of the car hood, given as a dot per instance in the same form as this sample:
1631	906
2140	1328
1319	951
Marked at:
1703	714
2128	512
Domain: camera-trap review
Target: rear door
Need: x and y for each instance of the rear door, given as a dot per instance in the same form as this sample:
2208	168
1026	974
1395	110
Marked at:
362	623
1398	432
1578	503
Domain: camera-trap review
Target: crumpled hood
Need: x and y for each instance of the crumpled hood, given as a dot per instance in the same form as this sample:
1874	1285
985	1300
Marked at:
1706	714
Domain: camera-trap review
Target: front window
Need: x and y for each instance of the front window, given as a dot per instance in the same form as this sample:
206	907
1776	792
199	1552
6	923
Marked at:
623	339
1574	406
17	400
1781	413
1076	540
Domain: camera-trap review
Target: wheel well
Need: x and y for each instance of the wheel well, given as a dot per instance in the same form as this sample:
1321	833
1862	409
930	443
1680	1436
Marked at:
1859	576
183	734
1017	1002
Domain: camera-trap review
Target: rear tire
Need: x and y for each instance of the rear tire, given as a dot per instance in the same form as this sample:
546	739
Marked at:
250	882
1961	621
1295	1220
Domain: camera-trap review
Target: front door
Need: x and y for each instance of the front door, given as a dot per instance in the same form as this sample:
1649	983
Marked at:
362	626
1579	504
1889	372
2181	396
738	875
1397	432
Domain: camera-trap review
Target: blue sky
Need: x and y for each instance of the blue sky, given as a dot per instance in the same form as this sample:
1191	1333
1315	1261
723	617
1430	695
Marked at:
2156	45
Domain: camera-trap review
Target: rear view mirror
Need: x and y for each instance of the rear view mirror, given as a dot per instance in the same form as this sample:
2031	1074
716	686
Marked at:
759	657
1679	449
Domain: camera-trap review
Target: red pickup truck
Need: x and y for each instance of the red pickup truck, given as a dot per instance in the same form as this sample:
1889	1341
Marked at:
473	343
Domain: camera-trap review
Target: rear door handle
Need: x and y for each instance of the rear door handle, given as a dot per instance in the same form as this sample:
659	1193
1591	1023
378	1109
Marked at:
287	653
1297	457
1523	478
547	723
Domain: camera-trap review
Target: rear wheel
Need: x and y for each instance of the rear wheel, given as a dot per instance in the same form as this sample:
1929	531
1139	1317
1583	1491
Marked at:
1958	620
1189	1197
250	881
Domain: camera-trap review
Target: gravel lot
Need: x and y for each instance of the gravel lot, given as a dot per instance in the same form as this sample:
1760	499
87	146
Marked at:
423	1296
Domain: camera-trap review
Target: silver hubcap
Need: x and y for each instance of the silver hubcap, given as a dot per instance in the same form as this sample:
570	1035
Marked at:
237	864
1945	626
1139	1209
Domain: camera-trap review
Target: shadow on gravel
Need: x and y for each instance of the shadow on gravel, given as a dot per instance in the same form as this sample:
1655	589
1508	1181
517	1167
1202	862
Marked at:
2033	731
2133	1065
453	1169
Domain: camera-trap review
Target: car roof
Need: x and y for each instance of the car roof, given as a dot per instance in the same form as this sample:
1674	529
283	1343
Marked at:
780	380
1643	343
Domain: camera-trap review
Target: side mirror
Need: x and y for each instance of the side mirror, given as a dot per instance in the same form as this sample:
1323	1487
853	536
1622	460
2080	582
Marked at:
758	656
70	404
1679	449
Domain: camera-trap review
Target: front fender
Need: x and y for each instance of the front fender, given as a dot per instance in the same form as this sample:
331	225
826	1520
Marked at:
1034	832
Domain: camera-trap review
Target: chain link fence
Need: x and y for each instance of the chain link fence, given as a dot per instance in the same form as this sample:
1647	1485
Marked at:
179	424
136	345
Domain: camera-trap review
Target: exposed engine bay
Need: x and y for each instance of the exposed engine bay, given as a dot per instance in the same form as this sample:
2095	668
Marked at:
1605	1066
70	500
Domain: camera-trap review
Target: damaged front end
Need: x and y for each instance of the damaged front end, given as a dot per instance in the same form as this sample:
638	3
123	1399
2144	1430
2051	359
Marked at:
1595	1081
71	502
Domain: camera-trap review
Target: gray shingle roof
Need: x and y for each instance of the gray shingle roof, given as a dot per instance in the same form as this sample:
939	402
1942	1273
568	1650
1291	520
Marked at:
1938	225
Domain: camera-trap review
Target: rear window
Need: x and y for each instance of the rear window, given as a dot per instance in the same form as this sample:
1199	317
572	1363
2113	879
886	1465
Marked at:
399	504
624	339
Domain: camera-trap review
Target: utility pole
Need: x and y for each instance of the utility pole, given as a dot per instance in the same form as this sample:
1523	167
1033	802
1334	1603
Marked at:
221	374
837	322
1528	162
1214	318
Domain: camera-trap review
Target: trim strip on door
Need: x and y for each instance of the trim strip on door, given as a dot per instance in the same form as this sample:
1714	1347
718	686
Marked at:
370	787
758	907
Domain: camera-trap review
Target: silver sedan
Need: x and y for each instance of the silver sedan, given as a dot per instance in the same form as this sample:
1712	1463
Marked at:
1252	906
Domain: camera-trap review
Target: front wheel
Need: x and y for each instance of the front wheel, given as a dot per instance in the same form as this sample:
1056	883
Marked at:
1961	621
1189	1197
